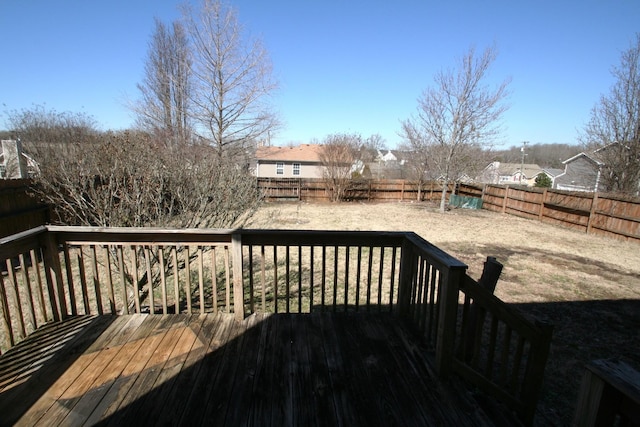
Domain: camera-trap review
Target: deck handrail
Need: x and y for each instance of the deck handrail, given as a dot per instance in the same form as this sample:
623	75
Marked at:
53	272
507	352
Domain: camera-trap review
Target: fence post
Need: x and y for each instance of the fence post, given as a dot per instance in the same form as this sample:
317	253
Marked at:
504	200
544	200
592	213
447	318
238	283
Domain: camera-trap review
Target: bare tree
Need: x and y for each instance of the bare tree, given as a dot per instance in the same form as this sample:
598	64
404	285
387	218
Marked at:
614	126
41	125
164	106
369	148
418	165
131	178
231	79
339	152
457	115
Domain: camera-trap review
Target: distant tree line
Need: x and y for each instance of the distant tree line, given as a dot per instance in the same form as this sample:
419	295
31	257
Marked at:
543	155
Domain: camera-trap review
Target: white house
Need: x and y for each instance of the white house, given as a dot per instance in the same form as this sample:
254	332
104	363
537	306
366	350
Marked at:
510	173
14	163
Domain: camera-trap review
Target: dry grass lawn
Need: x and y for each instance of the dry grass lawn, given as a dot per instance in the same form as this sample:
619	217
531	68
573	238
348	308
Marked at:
588	287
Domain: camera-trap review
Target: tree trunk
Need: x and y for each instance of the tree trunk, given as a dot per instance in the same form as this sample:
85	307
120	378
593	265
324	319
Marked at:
443	199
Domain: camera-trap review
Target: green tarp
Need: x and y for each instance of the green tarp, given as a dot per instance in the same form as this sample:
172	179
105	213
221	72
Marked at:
465	202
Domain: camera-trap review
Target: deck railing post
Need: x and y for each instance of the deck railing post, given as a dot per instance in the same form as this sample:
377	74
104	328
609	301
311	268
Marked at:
53	272
238	285
448	310
535	372
407	275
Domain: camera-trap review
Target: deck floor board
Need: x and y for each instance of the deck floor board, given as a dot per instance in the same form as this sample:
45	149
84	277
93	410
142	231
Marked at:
322	369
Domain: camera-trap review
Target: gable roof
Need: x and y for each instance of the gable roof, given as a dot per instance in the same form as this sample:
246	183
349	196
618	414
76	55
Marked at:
300	153
553	172
510	169
585	155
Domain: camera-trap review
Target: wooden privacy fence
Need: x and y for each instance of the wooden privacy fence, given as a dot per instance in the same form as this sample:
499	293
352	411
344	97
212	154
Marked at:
315	189
56	272
18	209
593	213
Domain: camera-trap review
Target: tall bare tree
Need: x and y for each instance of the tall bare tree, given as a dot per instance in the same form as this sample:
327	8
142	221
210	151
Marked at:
418	165
232	79
614	126
164	106
339	152
458	114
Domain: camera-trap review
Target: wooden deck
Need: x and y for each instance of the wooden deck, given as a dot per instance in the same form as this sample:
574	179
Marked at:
279	369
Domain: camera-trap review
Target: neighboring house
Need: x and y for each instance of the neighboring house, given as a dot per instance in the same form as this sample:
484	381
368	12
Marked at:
581	173
510	173
390	164
389	156
302	161
553	173
14	163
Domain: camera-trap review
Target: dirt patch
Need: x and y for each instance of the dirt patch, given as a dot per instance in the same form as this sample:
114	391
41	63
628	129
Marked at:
587	287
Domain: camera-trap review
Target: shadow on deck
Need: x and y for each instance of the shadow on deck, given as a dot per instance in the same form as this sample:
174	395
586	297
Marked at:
279	369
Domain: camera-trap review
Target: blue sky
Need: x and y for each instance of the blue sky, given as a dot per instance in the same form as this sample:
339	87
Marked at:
343	66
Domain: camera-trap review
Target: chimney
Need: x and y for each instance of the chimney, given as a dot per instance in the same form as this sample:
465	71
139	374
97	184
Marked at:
15	166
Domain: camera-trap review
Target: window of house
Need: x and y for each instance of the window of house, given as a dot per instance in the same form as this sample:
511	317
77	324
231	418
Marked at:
279	168
296	169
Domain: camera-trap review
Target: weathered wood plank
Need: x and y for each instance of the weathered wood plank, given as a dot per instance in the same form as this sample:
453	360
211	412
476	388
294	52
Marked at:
112	359
135	356
171	370
165	338
321	369
200	388
240	386
179	393
337	374
62	370
221	385
77	382
320	376
266	384
23	361
279	403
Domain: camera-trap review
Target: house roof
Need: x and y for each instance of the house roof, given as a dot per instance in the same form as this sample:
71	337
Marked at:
504	169
553	172
585	155
300	153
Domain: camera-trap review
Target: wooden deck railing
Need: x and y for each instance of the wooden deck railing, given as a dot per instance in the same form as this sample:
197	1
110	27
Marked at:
500	351
54	272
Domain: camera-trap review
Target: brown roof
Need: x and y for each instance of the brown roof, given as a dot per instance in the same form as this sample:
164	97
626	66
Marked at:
300	153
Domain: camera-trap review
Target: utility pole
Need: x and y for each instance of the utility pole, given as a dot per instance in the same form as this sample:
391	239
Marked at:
524	145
